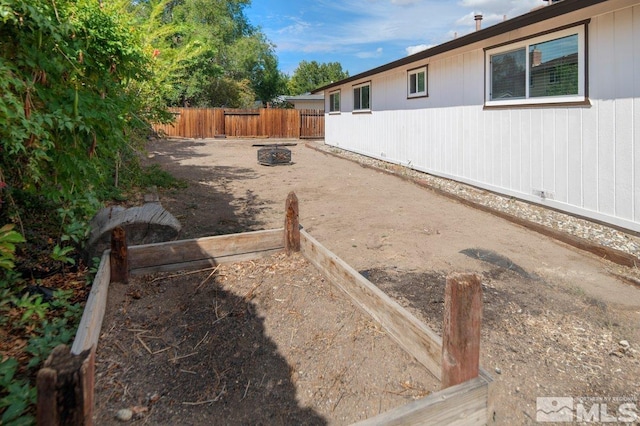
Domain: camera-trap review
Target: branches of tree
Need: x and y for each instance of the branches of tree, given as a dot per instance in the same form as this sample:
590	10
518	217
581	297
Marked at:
79	80
208	54
311	75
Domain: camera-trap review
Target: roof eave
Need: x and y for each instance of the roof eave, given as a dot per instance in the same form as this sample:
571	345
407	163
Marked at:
530	18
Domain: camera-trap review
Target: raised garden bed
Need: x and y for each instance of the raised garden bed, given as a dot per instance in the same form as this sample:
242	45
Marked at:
330	279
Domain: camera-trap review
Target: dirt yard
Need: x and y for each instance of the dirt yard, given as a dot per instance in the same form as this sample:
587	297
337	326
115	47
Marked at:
557	322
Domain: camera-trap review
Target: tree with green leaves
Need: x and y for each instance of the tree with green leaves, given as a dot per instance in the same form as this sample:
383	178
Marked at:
69	105
311	75
208	54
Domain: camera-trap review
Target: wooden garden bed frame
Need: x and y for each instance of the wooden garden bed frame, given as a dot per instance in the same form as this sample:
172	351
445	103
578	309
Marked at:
466	403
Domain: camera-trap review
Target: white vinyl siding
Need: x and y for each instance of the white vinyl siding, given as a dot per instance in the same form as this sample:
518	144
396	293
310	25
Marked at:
585	159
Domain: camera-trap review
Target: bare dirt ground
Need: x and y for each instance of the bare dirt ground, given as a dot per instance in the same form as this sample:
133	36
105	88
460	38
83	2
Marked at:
557	322
261	342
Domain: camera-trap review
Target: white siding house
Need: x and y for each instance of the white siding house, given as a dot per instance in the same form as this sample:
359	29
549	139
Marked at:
307	101
544	107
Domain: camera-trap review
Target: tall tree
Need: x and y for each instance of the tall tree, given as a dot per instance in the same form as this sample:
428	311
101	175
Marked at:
311	75
68	100
209	53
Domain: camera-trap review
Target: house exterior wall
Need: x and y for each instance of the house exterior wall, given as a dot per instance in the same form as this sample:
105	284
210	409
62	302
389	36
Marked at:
308	104
586	159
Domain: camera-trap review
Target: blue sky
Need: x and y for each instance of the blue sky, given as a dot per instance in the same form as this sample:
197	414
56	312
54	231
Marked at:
363	34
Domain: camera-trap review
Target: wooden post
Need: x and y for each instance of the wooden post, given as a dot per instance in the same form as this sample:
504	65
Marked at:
461	330
65	388
291	225
119	259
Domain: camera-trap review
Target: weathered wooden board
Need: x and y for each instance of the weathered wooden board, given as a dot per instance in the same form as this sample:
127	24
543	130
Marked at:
413	336
463	404
175	255
204	263
91	322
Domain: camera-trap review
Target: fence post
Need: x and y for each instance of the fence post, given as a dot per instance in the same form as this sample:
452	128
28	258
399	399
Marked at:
291	224
65	387
461	330
119	259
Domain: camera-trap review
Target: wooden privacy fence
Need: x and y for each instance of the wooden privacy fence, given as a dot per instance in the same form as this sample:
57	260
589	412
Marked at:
218	122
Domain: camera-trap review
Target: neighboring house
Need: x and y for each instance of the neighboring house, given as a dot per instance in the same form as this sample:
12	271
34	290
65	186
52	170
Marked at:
544	107
307	101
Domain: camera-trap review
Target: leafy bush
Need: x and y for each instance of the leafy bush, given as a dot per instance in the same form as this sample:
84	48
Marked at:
16	395
8	240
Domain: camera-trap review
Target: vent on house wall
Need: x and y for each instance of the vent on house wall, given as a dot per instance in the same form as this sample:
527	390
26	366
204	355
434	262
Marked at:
545	195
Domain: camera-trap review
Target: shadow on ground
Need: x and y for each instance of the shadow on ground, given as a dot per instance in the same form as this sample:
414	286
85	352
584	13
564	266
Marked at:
209	192
203	359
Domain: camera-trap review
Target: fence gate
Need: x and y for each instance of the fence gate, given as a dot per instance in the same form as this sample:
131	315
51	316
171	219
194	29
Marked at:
311	124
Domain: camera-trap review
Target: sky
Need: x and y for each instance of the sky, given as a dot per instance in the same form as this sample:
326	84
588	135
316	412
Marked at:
364	34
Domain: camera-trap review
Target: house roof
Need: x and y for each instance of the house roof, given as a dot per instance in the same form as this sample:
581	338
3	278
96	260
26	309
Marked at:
533	17
305	97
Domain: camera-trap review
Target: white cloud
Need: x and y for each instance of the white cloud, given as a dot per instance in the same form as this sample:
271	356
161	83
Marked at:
418	48
297	26
349	23
379	28
511	8
405	2
375	54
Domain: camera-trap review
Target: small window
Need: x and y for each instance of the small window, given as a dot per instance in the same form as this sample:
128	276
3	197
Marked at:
417	82
362	97
546	69
334	102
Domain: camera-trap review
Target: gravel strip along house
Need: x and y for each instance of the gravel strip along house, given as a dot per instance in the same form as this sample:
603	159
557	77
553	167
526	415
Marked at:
541	107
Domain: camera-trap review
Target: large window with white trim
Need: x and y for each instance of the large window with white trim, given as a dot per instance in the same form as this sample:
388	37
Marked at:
417	82
544	69
362	97
334	101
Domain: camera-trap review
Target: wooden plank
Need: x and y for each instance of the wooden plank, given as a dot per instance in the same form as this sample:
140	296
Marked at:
118	258
167	253
66	388
461	329
291	225
47	412
311	124
463	404
204	263
91	322
414	337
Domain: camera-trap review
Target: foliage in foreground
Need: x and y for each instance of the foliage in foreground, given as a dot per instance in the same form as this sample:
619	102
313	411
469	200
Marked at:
71	74
69	110
42	326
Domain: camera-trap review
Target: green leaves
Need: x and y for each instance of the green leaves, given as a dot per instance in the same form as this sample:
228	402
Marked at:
311	75
67	94
16	395
8	240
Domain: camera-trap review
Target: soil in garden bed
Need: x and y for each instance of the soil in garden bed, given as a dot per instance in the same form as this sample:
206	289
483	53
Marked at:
262	342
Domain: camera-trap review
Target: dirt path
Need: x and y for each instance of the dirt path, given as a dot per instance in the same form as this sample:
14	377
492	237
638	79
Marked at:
554	316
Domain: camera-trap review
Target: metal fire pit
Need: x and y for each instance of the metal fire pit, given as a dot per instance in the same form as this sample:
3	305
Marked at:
273	155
